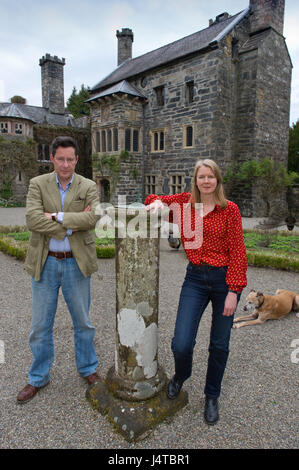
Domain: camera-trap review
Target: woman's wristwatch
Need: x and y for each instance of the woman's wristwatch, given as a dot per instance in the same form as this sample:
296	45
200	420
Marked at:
234	291
54	216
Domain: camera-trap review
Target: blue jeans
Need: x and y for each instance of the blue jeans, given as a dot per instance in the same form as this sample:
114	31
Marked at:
76	291
201	285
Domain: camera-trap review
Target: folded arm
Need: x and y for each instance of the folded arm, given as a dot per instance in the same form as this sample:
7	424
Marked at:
86	220
35	215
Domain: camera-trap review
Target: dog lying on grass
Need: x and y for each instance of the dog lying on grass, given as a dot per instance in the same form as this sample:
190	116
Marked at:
268	307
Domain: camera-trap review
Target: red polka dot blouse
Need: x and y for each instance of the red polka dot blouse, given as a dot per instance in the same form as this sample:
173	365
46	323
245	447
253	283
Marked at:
222	240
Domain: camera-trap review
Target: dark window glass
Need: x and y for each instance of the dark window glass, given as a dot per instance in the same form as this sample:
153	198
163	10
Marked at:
98	142
109	140
156	141
128	139
103	141
115	140
135	140
189	136
47	152
40	152
190	92
162	140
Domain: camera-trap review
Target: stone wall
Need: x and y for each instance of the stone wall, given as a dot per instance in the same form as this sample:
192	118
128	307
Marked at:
46	135
239	111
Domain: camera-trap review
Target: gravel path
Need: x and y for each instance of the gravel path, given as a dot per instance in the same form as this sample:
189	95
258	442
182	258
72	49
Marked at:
258	404
260	387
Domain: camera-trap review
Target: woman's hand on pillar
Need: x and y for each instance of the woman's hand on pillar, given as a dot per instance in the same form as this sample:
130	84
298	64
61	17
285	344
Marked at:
155	206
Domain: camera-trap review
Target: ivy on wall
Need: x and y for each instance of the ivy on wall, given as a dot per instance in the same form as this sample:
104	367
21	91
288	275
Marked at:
15	156
46	134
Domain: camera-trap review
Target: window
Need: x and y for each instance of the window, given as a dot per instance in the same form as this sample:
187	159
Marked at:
158	140
47	152
160	95
150	181
135	140
4	127
128	139
188	136
190	91
115	140
161	144
98	142
176	184
18	128
40	152
103	141
109	140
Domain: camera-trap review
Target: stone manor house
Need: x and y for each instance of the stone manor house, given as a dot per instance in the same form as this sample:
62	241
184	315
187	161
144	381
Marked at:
221	93
20	121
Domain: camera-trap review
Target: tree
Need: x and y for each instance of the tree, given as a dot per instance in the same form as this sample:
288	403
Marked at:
293	160
18	99
75	103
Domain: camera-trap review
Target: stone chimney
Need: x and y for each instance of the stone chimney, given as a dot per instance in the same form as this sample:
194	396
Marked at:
52	83
267	13
125	39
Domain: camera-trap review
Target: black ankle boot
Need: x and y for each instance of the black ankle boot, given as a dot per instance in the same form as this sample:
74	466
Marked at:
211	410
173	388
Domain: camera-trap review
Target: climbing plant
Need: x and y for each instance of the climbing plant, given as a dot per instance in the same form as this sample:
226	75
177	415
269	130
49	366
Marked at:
105	163
15	156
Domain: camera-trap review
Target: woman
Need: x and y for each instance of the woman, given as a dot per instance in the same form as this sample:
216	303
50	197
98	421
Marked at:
216	272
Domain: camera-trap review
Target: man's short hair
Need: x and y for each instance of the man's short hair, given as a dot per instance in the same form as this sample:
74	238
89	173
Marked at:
64	141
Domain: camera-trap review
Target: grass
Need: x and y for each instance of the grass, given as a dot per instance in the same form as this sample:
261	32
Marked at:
279	250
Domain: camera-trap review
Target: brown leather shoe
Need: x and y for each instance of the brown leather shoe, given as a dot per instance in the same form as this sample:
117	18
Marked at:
28	392
92	378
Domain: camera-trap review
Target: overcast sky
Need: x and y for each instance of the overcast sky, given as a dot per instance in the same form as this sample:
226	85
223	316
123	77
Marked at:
83	32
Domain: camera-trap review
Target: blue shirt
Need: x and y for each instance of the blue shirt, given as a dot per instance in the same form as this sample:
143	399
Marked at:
61	245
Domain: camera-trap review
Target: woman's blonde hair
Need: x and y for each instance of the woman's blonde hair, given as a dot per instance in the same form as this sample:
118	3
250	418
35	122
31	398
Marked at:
219	191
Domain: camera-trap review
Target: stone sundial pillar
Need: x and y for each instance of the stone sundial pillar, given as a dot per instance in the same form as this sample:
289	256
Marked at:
133	394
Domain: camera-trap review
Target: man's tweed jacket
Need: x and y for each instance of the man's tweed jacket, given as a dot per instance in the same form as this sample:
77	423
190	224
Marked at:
43	196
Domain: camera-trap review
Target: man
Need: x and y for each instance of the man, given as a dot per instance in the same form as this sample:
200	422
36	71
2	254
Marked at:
60	213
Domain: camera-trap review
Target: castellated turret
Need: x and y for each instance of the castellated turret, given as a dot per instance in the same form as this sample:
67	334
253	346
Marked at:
52	83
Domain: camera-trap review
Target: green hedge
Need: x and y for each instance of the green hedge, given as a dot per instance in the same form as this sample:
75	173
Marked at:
267	260
20	253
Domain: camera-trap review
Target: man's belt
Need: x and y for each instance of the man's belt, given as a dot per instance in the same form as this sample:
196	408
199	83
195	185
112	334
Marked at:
61	254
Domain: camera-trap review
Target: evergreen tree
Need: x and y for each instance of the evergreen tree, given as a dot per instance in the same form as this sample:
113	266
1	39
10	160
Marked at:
293	162
75	103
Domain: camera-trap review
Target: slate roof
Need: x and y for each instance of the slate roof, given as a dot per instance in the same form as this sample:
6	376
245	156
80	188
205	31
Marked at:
36	114
178	49
121	87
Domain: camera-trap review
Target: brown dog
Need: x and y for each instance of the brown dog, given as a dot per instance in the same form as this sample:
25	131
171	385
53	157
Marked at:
268	307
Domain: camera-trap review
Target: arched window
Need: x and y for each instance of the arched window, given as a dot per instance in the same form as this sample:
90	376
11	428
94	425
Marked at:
105	190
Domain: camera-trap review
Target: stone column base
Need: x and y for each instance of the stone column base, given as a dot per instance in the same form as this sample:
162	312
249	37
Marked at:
134	420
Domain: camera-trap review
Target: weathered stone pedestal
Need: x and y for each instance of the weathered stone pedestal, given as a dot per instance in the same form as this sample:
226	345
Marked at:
133	395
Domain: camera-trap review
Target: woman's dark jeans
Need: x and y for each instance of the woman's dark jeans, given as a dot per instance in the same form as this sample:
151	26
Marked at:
202	284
